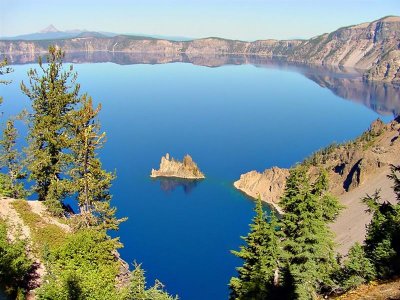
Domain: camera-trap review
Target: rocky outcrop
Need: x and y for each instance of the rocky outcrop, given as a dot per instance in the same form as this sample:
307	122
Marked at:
359	46
169	167
372	47
268	185
349	165
386	69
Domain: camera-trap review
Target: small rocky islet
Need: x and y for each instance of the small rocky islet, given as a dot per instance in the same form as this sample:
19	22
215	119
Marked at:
185	169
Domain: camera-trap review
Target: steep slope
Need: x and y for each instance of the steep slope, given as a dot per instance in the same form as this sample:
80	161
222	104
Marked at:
355	169
389	290
372	47
31	221
359	46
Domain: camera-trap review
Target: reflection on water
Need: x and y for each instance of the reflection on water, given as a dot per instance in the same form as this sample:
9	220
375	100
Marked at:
383	98
170	184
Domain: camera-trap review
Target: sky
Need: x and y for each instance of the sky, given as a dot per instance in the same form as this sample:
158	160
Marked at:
234	19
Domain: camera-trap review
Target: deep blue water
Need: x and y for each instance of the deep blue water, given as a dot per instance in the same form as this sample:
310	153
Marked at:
231	120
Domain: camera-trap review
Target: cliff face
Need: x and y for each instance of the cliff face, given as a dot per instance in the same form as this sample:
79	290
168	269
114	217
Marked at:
355	169
268	185
373	47
348	165
360	46
386	69
169	167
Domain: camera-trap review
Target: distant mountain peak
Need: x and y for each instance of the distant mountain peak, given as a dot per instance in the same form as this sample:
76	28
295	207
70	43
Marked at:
49	28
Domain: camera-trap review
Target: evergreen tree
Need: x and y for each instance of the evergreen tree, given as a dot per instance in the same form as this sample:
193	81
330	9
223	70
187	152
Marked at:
329	204
259	277
138	289
138	284
357	268
14	262
54	95
395	176
4	69
88	179
308	241
10	159
9	156
382	243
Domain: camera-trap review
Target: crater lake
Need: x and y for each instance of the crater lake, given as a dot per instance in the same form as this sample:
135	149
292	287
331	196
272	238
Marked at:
231	116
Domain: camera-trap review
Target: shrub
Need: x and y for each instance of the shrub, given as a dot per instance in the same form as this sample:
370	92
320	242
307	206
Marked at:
14	262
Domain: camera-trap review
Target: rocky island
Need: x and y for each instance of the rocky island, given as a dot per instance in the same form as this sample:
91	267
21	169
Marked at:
170	167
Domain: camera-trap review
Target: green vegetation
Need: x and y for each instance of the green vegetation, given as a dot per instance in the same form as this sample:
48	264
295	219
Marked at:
14	263
262	256
379	256
138	291
294	258
357	269
54	95
81	259
85	267
9	157
11	160
88	180
82	267
321	156
365	141
382	244
45	236
308	240
81	264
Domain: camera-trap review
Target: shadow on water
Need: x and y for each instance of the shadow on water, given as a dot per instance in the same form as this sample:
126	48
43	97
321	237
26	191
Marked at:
383	98
169	185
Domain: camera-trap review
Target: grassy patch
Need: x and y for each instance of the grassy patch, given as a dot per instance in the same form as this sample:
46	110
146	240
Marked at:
44	236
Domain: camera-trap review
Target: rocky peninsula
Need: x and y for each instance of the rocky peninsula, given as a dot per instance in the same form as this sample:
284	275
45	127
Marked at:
355	168
268	185
170	167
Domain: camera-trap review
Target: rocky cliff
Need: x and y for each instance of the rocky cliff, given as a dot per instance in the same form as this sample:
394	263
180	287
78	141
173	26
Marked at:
349	165
267	185
169	167
372	47
355	169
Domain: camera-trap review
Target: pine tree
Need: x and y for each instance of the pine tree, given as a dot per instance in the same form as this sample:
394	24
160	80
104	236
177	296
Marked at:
138	289
308	241
395	177
53	94
138	284
11	160
259	277
329	204
4	69
382	243
88	179
357	268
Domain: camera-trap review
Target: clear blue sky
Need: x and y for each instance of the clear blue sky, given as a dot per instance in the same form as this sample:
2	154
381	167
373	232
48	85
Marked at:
236	19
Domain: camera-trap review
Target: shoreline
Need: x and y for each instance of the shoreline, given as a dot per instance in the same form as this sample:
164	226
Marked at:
273	205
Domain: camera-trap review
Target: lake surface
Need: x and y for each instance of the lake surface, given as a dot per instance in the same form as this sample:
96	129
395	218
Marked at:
231	119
